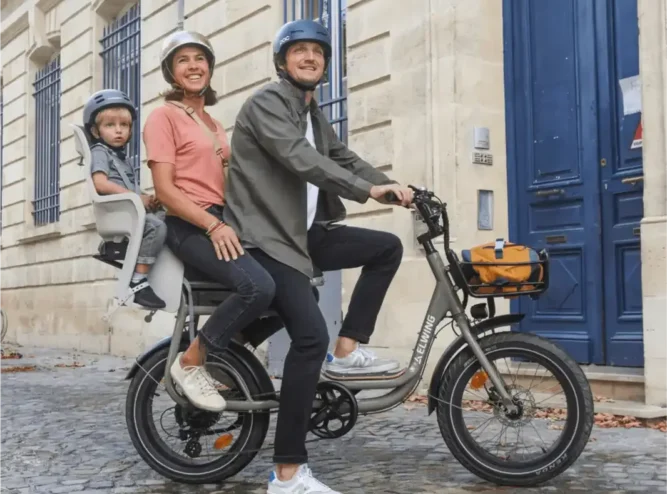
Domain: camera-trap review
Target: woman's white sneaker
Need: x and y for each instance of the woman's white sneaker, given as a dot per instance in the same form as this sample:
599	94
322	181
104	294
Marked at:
303	482
197	386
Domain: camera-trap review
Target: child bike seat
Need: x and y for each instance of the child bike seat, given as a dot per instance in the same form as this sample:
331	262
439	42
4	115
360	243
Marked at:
119	219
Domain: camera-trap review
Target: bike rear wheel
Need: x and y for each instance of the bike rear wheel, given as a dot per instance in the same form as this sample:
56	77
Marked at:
176	452
509	469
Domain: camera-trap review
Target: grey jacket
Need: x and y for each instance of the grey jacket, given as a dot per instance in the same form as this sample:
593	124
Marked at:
271	162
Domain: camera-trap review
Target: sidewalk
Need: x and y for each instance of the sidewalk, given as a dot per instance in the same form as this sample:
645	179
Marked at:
63	431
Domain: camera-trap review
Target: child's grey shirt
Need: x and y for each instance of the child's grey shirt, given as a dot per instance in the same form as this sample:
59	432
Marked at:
106	161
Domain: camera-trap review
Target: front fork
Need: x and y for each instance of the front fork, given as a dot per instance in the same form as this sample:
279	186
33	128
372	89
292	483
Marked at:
490	369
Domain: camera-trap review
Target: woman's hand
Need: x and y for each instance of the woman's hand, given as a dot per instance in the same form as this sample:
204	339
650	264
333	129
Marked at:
226	243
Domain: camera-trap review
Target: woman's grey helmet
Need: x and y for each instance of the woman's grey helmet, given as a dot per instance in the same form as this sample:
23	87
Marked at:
178	40
106	98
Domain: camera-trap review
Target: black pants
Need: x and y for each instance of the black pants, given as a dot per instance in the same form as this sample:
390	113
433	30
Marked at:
258	278
296	304
379	254
253	288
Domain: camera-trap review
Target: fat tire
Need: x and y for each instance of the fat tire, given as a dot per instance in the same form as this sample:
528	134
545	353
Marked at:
139	429
515	477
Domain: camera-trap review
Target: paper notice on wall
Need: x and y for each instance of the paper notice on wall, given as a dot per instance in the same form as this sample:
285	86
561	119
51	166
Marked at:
631	89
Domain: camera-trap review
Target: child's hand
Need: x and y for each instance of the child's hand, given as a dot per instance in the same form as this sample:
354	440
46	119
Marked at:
155	203
146	199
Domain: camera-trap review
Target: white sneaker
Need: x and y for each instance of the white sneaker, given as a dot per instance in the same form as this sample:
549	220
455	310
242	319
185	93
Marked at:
360	361
216	384
303	482
196	385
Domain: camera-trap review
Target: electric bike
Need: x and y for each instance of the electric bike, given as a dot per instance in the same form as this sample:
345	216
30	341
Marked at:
468	372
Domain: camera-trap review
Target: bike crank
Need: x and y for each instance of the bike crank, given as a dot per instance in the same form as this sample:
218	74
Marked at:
337	413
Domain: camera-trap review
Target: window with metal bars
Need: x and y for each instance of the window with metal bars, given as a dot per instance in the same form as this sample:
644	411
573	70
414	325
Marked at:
332	93
121	56
2	146
46	205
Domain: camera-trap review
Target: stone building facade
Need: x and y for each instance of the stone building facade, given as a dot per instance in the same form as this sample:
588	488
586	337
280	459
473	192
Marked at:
419	77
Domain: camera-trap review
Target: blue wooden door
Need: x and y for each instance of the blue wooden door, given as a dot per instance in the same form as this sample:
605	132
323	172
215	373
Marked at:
621	182
562	60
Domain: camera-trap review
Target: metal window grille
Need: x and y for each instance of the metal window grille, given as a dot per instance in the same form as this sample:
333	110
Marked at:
332	93
121	55
46	206
2	145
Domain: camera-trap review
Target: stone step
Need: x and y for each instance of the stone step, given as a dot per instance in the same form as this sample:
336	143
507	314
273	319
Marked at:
616	383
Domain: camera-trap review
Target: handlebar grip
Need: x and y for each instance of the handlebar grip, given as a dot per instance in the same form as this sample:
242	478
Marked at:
391	197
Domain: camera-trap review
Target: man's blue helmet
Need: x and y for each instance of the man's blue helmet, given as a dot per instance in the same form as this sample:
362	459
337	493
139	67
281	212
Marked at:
300	30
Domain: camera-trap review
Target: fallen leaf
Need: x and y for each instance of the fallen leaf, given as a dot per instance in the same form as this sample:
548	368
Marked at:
72	365
418	399
19	368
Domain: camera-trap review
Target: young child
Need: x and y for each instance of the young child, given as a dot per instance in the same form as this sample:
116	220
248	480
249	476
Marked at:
108	116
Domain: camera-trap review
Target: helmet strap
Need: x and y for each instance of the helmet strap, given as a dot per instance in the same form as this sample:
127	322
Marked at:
304	87
185	92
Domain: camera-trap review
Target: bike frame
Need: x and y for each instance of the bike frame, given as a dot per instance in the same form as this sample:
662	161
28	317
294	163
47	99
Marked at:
443	301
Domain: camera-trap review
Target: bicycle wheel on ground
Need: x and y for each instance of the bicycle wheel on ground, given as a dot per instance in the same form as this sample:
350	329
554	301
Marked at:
190	445
5	325
554	402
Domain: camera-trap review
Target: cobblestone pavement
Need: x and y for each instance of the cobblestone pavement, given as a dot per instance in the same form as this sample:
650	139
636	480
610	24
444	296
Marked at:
63	431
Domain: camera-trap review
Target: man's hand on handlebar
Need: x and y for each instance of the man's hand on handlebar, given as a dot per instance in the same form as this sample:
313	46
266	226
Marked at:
226	243
392	194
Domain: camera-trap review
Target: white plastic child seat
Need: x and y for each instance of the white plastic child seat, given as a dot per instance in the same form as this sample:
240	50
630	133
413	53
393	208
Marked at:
120	216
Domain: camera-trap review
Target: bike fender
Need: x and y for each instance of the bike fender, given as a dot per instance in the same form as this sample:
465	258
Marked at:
240	352
459	344
142	358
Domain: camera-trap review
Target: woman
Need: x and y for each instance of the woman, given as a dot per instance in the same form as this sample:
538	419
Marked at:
187	150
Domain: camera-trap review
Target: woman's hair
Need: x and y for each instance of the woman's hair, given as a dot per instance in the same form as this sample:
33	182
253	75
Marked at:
177	94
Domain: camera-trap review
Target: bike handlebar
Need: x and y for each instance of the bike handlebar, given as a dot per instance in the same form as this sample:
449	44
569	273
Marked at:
432	211
390	197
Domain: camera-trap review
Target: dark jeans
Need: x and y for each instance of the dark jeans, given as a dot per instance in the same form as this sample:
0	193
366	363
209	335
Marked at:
253	287
379	255
296	304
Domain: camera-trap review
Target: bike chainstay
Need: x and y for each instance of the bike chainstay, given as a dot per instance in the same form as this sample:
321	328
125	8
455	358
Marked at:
308	441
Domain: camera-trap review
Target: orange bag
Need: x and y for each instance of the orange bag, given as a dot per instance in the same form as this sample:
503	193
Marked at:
502	267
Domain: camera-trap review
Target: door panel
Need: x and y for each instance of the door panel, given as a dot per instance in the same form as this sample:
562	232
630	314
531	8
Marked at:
622	187
554	103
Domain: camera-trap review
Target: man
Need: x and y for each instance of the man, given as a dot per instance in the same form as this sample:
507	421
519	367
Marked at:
287	173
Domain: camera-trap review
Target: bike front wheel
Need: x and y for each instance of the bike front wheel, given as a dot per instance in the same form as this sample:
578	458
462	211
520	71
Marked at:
533	369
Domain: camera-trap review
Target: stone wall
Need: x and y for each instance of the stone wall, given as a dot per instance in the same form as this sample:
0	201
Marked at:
422	74
419	78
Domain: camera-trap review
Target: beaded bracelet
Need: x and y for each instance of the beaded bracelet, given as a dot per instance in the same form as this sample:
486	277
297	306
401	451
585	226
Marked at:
212	227
216	227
